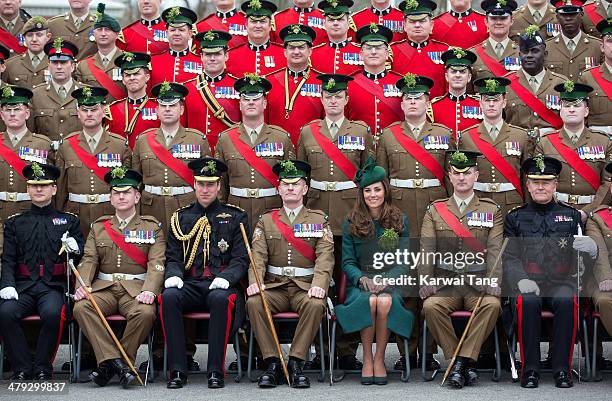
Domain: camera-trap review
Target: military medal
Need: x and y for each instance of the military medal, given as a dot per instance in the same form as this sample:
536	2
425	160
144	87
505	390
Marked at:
308	230
109	159
186	151
269	149
512	63
352	58
395	26
480	219
562	218
316	22
226	92
192	67
590	62
47	75
269	61
553	102
160	36
237	29
552	29
591	152
436	142
58	221
351	142
312	90
116	73
223	245
473	26
92	38
390	90
33	155
21	40
149	113
436	57
513	148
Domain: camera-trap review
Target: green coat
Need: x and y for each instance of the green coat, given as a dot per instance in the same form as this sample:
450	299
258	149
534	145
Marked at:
354	314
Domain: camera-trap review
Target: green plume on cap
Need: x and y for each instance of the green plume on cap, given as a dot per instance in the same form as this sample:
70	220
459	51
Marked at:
173	13
410	80
57	44
373	27
165	87
127	56
296	29
7	92
539	161
210	36
459	53
330	84
502	2
38	19
87	92
411	4
333	3
491	85
255	4
531	30
568	86
210	167
253	78
288	167
389	239
37	170
459	157
100	12
119	172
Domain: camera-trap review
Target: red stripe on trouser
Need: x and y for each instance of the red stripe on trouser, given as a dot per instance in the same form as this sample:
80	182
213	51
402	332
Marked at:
161	318
231	301
59	335
575	329
519	307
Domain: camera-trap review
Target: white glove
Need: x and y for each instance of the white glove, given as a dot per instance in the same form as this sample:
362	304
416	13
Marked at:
219	282
527	286
173	281
585	244
9	293
70	244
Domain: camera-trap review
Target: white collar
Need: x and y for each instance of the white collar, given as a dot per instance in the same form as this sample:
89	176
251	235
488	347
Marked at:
504	42
459	200
576	38
539	77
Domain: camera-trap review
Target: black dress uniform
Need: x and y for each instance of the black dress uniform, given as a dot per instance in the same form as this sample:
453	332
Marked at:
225	258
31	264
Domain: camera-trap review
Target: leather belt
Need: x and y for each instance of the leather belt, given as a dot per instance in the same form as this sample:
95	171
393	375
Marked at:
14	196
332	185
89	198
167	191
291	271
414	183
494	186
574	199
121	276
253	192
59	269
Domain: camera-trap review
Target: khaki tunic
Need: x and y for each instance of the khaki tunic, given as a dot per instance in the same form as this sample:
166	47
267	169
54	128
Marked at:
480	69
570	182
76	178
523	18
589	26
286	293
82	37
156	173
21	20
337	204
600	106
400	164
242	175
11	181
103	255
586	55
20	71
597	229
84	74
488	173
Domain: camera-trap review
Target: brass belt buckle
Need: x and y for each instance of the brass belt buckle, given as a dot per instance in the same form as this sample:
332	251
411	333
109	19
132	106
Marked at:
289	271
11	196
330	186
418	182
92	198
494	187
118	277
573	199
253	192
166	191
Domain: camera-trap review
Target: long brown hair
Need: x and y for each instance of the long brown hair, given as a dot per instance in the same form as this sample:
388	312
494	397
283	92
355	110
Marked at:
361	223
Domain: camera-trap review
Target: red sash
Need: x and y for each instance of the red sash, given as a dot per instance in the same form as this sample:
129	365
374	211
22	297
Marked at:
11	42
166	158
104	80
152	45
249	155
496	160
391	102
299	244
443	26
333	152
605	85
494	65
572	158
11	158
453	222
606	216
591	11
216	24
88	159
131	250
420	154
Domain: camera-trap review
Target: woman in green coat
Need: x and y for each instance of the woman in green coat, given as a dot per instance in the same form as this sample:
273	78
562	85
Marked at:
373	225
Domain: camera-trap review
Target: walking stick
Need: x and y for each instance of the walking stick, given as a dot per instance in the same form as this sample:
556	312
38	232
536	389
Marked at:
474	312
68	313
106	325
264	301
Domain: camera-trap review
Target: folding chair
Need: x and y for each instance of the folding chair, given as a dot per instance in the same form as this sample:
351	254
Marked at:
605	336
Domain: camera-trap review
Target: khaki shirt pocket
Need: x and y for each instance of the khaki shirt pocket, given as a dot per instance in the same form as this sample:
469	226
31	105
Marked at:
275	243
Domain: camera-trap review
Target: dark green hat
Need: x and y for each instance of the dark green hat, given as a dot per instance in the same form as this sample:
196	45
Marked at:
213	41
207	169
169	93
15	95
570	90
461	160
531	38
369	173
458	59
335	8
414	85
178	16
105	21
492	86
252	86
333	83
258	9
605	27
542	167
374	33
61	50
291	171
40	174
121	178
297	34
499	8
35	24
90	95
417	9
132	62
567	6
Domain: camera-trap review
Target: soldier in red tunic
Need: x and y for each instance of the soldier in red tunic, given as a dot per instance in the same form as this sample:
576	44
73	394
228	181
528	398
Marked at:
178	64
148	33
226	18
461	26
303	12
419	53
212	105
381	12
339	55
259	55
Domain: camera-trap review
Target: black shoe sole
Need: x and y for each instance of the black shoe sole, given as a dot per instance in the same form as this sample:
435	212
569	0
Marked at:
126	382
174	386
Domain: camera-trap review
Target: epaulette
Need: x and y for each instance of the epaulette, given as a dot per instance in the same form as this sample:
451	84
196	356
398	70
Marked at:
490	201
13	216
195	131
441	126
70	135
516	127
274	72
43	137
600	133
319	45
386	129
235	207
113	135
319	212
437	99
473	96
103	218
273	127
70	213
439	42
478	12
437	200
556	74
361	123
567	205
232	76
601	207
521	8
152	219
182	208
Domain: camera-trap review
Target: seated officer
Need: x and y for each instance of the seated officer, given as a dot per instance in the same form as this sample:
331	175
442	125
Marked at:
293	250
123	265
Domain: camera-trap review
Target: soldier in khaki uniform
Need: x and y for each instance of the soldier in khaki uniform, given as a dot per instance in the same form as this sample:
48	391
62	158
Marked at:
32	67
572	50
161	155
293	252
595	11
123	266
76	26
250	149
18	146
99	69
11	18
504	147
54	111
535	12
462	223
85	156
581	176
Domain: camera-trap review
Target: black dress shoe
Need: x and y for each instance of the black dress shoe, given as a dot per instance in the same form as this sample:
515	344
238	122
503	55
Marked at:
215	380
244	362
103	373
314	364
42	376
349	362
20	376
530	379
563	380
298	378
126	376
88	362
192	364
431	364
177	380
470	374
400	364
272	376
456	377
158	362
